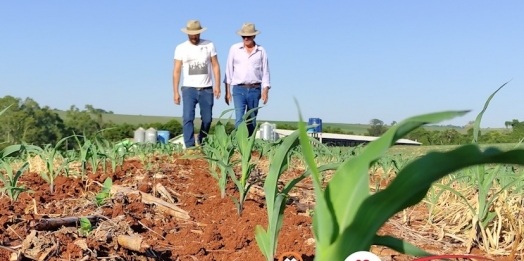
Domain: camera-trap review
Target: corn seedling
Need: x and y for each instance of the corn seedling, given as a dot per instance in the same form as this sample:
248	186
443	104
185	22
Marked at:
483	179
347	217
85	226
84	155
48	155
99	156
11	181
105	194
267	240
116	153
275	201
222	150
245	145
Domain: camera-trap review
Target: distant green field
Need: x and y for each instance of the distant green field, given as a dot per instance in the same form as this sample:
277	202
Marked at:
415	151
358	129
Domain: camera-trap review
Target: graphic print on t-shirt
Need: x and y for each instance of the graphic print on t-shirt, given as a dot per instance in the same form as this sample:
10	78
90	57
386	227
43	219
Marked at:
198	65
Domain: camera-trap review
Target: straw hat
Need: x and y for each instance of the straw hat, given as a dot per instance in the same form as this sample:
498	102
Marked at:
193	27
248	29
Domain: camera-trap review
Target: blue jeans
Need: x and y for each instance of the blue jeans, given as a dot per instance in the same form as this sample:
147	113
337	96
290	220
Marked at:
190	97
246	99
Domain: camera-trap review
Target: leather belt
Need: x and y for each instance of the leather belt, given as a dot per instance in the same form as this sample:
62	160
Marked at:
249	85
202	88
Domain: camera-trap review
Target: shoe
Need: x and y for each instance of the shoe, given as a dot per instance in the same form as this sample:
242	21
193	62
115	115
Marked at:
193	151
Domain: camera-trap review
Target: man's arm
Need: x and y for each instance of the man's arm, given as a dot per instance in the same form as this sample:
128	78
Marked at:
177	68
229	67
266	79
228	75
176	75
216	74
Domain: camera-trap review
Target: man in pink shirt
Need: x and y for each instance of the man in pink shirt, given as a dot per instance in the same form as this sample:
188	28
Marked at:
247	70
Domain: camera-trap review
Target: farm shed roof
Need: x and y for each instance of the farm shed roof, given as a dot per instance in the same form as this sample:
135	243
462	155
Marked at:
345	137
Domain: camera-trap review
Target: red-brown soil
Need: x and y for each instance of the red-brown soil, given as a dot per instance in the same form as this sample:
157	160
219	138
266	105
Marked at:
215	231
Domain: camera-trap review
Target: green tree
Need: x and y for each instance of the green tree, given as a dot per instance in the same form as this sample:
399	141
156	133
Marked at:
174	127
117	132
83	122
421	135
377	128
25	121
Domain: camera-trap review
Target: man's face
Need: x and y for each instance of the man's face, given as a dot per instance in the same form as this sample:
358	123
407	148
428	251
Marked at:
194	38
248	40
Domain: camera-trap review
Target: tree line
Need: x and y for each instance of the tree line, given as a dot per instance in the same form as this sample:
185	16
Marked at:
27	121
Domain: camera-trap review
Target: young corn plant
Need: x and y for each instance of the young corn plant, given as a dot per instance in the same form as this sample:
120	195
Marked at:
48	155
116	153
245	144
483	180
105	194
85	154
222	149
85	226
11	181
100	154
267	240
347	217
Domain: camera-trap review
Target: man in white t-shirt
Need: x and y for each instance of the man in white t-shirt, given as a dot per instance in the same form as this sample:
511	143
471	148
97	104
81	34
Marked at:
198	60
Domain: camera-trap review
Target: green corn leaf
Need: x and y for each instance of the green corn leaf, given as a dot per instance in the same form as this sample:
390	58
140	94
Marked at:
5	109
476	126
409	188
108	183
19	172
278	165
399	245
13	149
262	238
293	182
350	183
325	225
336	207
277	220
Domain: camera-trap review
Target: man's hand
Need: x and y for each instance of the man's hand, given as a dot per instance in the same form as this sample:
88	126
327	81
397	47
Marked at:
227	97
176	99
265	95
217	92
176	79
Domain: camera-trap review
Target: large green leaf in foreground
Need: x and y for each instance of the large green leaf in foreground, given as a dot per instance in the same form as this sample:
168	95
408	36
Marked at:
409	188
336	207
347	217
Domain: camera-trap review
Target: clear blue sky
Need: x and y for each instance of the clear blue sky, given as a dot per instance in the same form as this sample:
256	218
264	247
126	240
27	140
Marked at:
345	61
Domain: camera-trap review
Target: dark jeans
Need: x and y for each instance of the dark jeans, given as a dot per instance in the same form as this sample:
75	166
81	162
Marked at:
246	99
190	97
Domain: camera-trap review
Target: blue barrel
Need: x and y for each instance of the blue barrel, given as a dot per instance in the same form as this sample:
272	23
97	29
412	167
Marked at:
319	127
310	122
163	136
315	121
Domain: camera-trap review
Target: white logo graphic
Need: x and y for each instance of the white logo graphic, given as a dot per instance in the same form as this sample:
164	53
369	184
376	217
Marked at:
362	256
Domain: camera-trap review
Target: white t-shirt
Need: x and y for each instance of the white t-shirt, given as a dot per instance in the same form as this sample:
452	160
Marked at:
196	62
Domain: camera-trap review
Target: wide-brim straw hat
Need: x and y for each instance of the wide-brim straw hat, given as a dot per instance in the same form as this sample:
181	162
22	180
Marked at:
193	27
248	29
